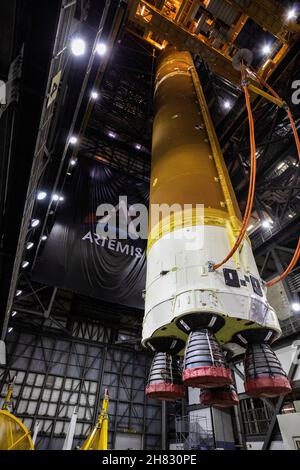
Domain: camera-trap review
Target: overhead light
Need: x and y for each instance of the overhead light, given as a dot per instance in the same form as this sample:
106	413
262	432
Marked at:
281	165
41	195
226	104
112	134
35	222
61	198
290	216
266	49
94	95
29	245
18	292
72	162
68	173
266	224
250	227
14	313
101	48
73	140
296	306
55	197
138	146
291	14
25	264
10	329
44	237
78	46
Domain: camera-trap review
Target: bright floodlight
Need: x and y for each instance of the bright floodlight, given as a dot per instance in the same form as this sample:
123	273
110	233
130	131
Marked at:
61	198
227	104
112	134
14	313
18	292
73	162
94	95
291	14
29	245
35	222
44	237
10	329
266	224
25	264
138	146
41	195
78	46
73	140
296	306
266	49
101	48
55	197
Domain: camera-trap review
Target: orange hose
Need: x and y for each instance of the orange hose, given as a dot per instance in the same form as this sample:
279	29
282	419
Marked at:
251	191
296	255
252	180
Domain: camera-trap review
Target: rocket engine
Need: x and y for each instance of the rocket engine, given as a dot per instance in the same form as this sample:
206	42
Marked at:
192	310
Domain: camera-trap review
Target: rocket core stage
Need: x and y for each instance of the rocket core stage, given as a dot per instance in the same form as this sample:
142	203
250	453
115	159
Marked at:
186	300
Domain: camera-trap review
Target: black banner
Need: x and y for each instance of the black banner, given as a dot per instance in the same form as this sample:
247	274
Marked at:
77	258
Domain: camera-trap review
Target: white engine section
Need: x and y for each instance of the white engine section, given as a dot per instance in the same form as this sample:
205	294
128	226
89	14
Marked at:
180	282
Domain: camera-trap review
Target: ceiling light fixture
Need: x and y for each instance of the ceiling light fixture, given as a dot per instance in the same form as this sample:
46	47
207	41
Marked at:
35	223
291	14
101	48
73	140
78	46
296	306
29	245
41	195
25	264
266	224
266	49
94	95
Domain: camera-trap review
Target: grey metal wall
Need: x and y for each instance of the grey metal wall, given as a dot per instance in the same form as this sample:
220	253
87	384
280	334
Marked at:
56	373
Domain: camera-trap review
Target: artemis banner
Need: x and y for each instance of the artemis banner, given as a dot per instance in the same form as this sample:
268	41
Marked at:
78	256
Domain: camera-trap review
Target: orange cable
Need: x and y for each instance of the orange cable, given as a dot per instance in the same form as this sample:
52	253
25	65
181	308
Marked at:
296	255
252	180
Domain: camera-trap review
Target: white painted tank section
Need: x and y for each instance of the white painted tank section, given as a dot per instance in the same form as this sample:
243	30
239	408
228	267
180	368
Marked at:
179	281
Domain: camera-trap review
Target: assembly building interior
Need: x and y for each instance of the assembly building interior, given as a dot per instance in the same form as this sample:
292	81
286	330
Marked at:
149	225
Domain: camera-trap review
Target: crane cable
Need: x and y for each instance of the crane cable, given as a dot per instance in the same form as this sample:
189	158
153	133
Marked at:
252	178
296	255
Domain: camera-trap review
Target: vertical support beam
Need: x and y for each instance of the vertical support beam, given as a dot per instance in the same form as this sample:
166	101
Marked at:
280	268
164	425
